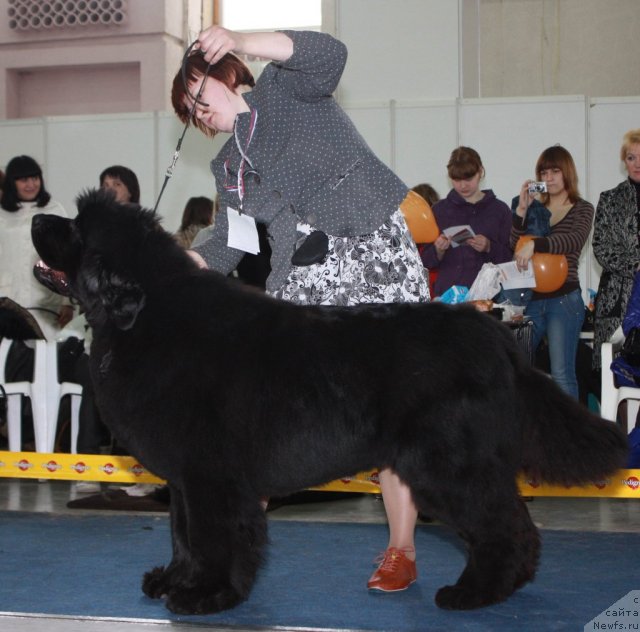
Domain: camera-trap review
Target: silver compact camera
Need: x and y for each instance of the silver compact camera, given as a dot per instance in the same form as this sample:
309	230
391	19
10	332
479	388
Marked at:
537	187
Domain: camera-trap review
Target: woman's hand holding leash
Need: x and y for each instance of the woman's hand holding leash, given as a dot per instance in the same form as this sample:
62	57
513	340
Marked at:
215	42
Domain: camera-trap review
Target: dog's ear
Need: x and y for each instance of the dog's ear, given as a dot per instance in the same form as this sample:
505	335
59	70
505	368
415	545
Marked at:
119	298
123	300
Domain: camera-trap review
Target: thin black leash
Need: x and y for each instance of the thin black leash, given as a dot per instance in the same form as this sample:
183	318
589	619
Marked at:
196	100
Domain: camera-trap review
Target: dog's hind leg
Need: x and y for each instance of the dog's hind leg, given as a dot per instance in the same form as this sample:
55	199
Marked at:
503	546
218	539
528	542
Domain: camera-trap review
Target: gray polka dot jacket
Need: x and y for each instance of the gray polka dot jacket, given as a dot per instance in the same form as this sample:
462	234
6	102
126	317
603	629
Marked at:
304	161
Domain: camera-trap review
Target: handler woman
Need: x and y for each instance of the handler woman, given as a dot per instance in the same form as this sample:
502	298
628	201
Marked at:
296	163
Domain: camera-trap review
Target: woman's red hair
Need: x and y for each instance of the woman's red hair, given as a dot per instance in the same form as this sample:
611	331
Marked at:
230	71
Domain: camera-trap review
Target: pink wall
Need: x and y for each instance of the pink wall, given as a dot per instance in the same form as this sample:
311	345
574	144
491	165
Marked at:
122	66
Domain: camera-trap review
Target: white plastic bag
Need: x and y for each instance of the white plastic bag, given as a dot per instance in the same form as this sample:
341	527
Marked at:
486	284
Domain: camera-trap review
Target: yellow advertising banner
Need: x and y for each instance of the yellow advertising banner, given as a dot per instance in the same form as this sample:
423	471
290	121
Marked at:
126	469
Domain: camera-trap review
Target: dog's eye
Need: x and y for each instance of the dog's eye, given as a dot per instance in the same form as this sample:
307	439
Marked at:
76	235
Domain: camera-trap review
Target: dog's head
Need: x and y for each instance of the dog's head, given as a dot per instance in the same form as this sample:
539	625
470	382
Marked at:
102	252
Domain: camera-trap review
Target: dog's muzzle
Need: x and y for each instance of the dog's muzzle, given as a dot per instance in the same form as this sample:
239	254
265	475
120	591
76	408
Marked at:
53	280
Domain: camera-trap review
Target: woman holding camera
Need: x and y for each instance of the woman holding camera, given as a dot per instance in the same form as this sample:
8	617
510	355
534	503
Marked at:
558	314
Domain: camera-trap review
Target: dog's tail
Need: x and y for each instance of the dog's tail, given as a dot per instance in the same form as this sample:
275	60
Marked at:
563	442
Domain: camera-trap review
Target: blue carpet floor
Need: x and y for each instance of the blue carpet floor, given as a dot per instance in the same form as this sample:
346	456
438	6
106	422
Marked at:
315	576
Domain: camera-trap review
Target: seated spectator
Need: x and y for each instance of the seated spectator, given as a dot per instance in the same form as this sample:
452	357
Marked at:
427	192
123	182
24	194
468	205
197	214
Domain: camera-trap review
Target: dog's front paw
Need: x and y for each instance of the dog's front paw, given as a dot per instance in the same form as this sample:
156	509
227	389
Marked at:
155	583
461	597
202	601
464	598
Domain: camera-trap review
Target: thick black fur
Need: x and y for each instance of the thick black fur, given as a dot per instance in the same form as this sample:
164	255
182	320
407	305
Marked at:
232	397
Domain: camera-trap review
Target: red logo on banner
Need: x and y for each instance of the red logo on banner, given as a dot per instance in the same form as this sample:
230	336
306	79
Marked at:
24	465
80	467
109	468
52	466
632	482
375	478
137	469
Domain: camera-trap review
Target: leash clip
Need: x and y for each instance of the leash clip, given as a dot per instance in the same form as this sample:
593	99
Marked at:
172	166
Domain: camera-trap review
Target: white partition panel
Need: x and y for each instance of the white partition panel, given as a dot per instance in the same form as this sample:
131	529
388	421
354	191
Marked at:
609	119
510	134
23	138
414	138
191	175
79	148
425	136
373	121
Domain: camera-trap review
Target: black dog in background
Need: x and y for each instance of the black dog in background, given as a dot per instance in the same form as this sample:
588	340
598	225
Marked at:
232	396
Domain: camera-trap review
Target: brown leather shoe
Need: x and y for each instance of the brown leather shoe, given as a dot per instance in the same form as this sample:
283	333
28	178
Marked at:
396	572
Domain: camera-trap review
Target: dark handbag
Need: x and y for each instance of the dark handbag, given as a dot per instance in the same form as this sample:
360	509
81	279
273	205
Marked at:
312	250
589	319
630	350
17	323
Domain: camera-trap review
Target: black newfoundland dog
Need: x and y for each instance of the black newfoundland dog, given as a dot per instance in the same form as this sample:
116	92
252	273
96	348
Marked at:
232	397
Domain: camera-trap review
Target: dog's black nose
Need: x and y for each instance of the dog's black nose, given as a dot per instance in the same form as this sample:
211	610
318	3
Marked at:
37	220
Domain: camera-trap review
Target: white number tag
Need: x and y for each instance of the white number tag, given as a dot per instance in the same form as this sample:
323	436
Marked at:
243	232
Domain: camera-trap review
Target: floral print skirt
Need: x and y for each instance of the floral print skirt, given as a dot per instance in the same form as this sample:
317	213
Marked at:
382	267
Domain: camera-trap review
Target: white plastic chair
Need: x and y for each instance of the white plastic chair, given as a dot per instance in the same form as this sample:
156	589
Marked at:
611	395
55	392
14	392
45	393
35	390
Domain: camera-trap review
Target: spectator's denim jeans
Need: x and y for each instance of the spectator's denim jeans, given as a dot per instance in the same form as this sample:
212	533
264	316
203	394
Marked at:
561	320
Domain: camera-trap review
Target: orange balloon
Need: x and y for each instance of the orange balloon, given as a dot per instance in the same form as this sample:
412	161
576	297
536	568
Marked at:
420	220
550	270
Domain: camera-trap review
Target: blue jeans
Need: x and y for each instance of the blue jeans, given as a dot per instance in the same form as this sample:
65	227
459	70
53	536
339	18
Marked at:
561	320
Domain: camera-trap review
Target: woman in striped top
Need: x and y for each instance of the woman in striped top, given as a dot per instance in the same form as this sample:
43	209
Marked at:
558	314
